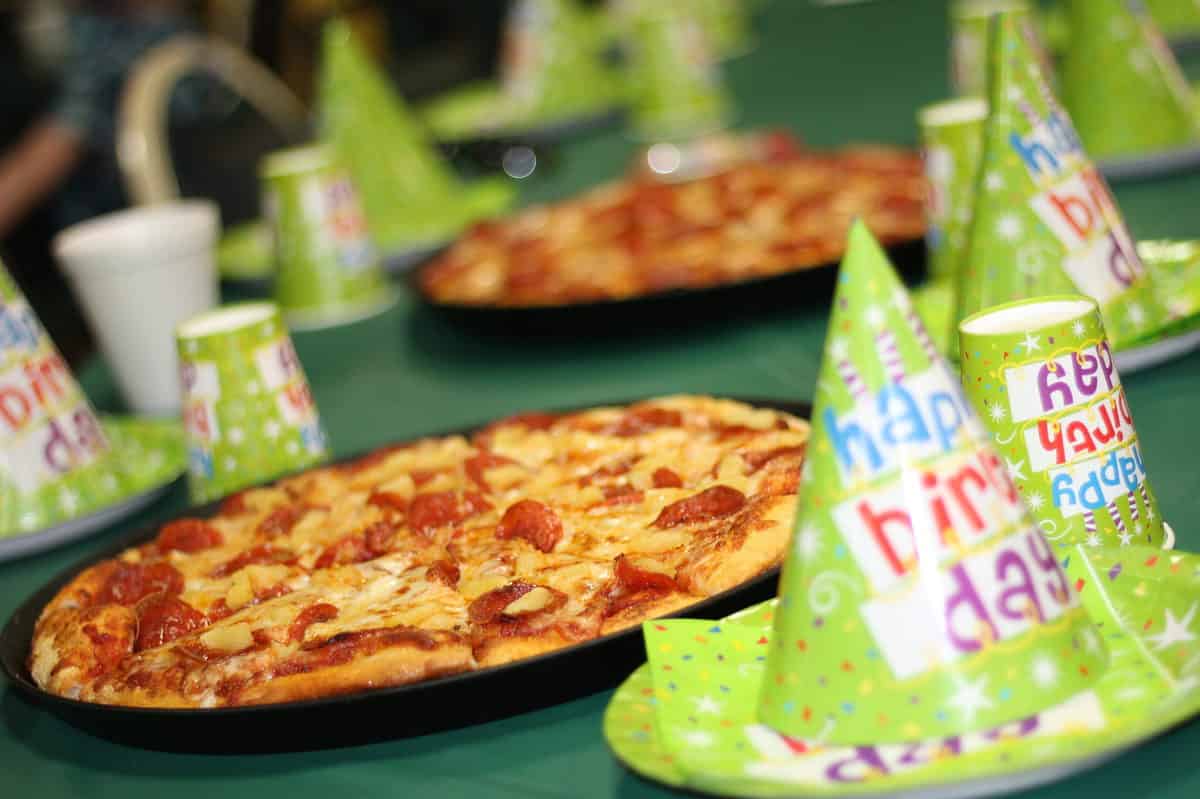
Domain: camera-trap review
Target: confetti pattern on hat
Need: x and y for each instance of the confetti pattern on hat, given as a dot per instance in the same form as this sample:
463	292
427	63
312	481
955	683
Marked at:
918	593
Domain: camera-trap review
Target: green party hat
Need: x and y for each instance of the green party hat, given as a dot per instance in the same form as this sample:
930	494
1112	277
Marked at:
727	25
1176	17
1044	220
408	191
918	599
56	462
551	61
1121	84
676	85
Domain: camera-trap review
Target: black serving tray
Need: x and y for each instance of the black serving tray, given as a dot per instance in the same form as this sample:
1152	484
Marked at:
381	714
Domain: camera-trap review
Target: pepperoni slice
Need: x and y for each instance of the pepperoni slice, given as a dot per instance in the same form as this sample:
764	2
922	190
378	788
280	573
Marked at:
351	549
378	538
533	521
234	505
431	511
163	618
712	503
189	535
219	610
313	614
132	582
388	501
280	521
261	554
757	460
477	465
489	607
444	571
665	478
622	495
631	579
641	420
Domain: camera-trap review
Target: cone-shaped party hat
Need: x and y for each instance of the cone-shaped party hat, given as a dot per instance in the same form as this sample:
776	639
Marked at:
55	461
551	61
1044	221
408	192
1121	83
677	87
727	25
1176	17
919	598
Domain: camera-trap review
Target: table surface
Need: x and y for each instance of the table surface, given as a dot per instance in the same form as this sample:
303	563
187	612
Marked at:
833	74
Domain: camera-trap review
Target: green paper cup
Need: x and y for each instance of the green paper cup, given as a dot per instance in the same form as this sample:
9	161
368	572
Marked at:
55	460
247	410
678	89
1040	373
918	592
1121	83
1044	221
328	270
969	41
952	141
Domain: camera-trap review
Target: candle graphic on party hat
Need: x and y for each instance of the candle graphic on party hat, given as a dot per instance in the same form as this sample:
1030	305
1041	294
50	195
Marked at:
1042	375
1121	83
919	598
1044	221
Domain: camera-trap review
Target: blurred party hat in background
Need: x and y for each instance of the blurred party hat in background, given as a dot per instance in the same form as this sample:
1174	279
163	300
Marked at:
409	192
1044	221
1121	84
552	60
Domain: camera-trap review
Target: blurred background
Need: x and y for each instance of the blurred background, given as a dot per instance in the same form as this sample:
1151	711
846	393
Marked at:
65	62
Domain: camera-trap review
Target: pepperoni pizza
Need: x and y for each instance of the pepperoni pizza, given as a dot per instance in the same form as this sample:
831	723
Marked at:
641	236
434	557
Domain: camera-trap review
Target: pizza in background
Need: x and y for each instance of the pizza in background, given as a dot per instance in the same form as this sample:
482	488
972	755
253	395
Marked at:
642	236
434	557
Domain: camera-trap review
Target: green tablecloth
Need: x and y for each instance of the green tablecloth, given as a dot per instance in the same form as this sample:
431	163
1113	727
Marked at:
833	74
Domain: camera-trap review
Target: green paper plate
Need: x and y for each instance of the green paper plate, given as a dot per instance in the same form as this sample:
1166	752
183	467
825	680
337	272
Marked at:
150	454
1144	600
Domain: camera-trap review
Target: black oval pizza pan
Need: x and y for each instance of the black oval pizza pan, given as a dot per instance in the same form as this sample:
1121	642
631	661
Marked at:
375	715
798	288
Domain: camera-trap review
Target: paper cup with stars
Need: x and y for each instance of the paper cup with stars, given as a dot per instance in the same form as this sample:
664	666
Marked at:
1121	83
918	591
951	141
247	410
1042	376
969	41
677	87
1044	221
328	271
